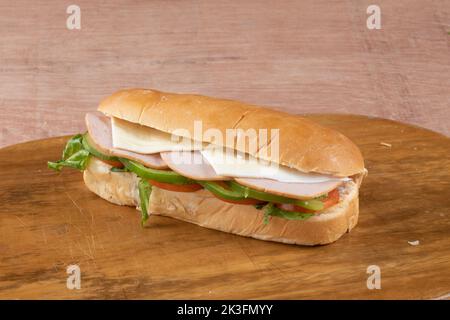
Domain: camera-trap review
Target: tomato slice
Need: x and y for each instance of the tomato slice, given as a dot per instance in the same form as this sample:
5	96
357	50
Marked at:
113	163
331	199
176	187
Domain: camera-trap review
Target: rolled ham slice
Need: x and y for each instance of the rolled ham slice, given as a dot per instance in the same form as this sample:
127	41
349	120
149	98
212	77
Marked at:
191	164
99	128
302	191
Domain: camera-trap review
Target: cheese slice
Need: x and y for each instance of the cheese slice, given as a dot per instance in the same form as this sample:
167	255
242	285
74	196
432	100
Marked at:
231	163
145	140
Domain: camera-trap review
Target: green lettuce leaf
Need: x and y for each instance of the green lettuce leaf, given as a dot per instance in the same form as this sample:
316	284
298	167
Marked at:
271	210
78	160
145	189
114	169
73	146
74	155
291	215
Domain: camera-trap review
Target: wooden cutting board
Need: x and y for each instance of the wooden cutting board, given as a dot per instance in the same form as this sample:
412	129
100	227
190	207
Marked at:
49	221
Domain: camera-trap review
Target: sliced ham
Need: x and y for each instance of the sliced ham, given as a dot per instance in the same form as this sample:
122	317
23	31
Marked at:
191	164
99	128
301	191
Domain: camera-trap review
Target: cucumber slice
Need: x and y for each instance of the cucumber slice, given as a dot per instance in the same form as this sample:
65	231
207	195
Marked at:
167	176
312	204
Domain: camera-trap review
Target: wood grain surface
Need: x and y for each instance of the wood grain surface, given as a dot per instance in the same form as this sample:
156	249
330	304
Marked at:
301	56
50	220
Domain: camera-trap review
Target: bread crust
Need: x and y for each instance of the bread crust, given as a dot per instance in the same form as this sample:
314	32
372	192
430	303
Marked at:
117	187
205	210
303	144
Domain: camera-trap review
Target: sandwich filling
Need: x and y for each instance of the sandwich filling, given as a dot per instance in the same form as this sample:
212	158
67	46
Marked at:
188	166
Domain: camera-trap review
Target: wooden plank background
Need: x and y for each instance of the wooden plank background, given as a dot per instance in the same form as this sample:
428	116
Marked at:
302	56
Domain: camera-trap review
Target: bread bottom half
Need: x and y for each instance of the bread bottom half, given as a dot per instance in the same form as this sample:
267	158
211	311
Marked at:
205	210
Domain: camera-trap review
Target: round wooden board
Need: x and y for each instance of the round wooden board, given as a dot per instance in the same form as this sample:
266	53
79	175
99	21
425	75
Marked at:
49	221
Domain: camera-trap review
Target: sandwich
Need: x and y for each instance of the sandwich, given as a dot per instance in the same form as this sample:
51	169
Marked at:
220	164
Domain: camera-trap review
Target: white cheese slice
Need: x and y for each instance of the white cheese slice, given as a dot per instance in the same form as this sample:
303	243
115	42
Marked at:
141	139
234	164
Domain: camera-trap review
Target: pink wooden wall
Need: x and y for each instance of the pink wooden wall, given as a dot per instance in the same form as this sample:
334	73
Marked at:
302	56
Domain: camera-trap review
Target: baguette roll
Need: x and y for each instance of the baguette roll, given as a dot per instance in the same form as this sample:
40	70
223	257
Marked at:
205	210
303	145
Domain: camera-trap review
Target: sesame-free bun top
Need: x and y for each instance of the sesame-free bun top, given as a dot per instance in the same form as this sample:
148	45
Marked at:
303	144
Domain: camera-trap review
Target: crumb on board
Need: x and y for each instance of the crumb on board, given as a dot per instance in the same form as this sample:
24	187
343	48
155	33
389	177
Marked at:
386	144
414	243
